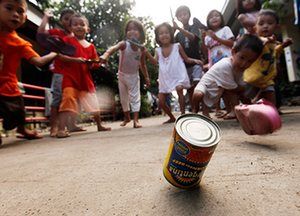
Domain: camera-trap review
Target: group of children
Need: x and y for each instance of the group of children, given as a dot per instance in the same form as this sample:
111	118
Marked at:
238	70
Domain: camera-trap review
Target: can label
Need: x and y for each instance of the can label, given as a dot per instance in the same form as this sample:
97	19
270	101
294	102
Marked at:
185	163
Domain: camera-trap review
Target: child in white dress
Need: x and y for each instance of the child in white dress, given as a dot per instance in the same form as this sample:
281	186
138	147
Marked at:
172	71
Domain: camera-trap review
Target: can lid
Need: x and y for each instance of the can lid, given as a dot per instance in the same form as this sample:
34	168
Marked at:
198	130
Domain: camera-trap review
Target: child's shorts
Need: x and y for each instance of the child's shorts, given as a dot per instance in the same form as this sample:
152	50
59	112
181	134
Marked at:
56	89
195	73
211	93
72	97
12	111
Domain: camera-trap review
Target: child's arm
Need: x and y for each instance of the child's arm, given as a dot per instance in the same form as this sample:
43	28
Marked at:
66	58
119	46
153	60
42	60
186	33
247	23
42	28
227	42
188	59
144	69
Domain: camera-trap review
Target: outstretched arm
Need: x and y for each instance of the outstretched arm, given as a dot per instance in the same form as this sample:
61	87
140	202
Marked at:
119	46
42	28
42	60
188	59
186	33
66	58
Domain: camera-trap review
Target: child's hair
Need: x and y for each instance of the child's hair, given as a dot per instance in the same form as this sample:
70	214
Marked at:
169	27
268	12
78	15
66	11
249	41
139	26
182	8
209	15
20	2
240	9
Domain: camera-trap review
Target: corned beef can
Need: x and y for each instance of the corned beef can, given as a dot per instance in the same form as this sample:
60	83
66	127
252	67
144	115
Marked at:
192	145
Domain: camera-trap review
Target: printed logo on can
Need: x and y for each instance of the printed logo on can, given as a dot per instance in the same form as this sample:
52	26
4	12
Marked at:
181	148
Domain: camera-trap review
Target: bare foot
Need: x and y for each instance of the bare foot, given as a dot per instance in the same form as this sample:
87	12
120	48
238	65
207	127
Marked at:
101	128
229	116
137	125
53	132
124	123
169	121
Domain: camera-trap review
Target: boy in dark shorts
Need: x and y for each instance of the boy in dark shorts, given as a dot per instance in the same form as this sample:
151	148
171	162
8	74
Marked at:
189	38
12	49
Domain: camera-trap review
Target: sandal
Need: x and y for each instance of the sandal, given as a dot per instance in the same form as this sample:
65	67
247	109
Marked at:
62	134
124	123
28	136
77	129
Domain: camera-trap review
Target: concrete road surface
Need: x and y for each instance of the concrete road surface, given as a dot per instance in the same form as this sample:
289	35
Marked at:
120	173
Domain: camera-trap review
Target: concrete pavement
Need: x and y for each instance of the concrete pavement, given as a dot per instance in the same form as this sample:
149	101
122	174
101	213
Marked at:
120	173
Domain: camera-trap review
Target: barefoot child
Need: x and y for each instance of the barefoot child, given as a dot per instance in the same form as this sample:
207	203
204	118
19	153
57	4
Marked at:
77	82
131	59
172	72
222	76
12	49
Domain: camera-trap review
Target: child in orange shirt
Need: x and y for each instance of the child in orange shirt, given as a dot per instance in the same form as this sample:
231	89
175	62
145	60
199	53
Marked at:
77	82
12	50
57	67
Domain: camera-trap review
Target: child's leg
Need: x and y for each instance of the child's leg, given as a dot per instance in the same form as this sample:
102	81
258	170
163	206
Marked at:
63	119
98	121
269	96
136	123
233	101
179	90
56	87
165	107
197	99
126	118
53	121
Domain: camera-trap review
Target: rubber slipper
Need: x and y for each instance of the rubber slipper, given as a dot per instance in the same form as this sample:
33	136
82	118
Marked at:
169	121
30	136
62	134
77	129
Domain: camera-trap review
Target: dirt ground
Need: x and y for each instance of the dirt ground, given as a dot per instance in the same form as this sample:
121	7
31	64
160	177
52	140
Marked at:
120	173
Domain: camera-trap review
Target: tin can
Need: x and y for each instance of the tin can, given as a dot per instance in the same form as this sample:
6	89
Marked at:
192	145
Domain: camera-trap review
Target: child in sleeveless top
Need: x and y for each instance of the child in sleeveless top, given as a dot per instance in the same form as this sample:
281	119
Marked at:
131	59
170	57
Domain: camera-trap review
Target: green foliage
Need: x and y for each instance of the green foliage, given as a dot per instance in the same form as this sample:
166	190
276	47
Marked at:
279	6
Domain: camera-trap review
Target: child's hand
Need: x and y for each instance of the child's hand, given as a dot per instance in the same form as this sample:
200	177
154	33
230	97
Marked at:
287	42
81	60
175	25
211	34
197	61
147	80
48	13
